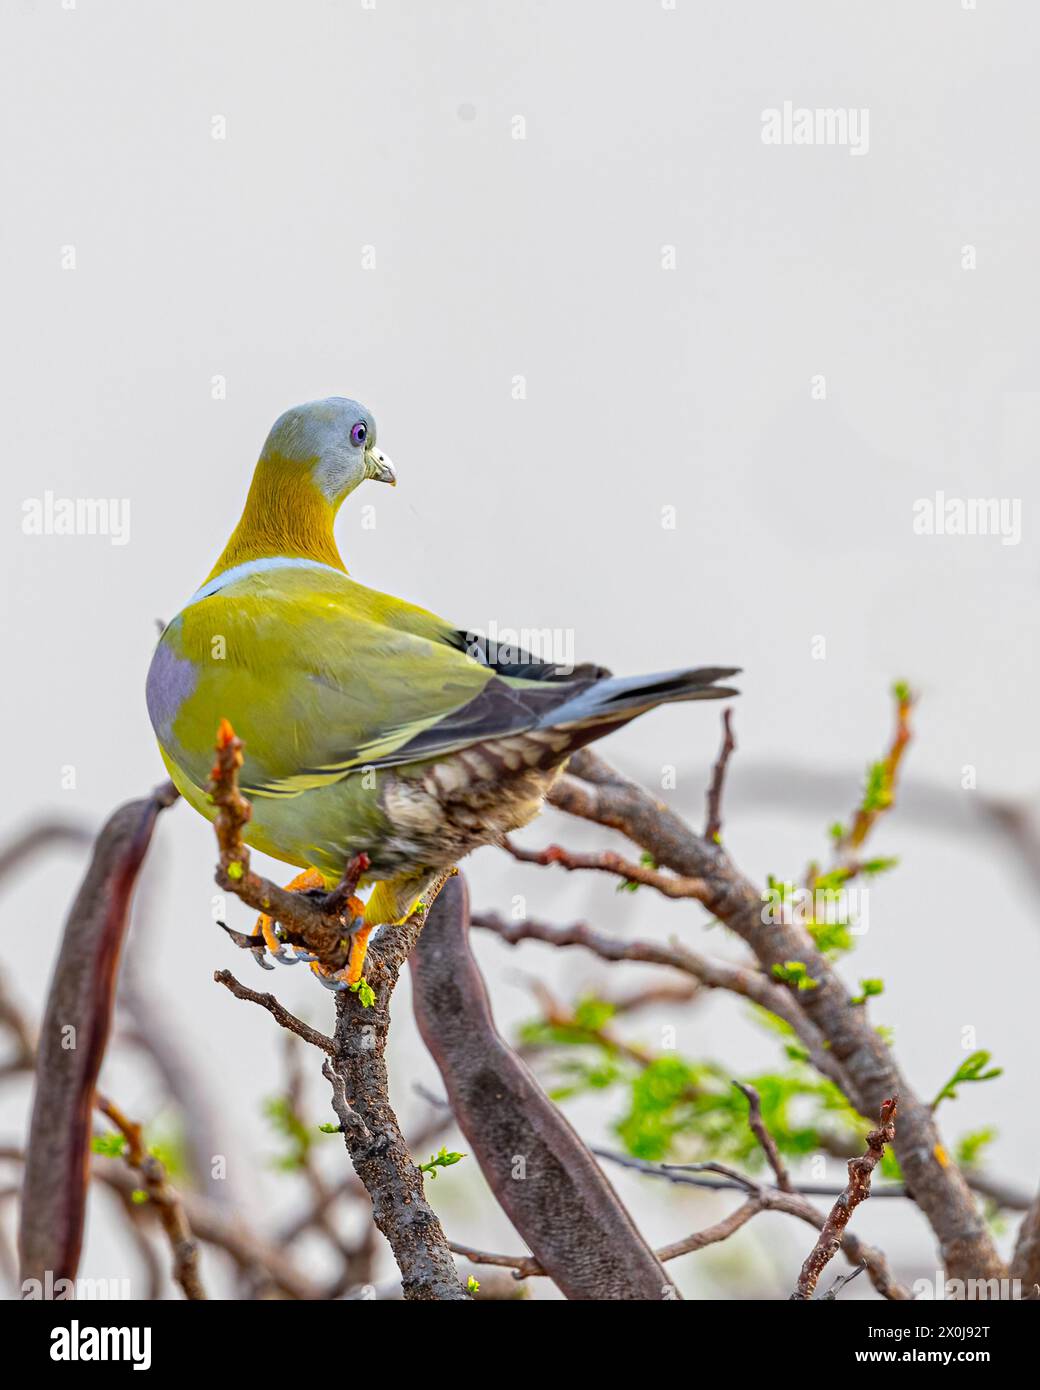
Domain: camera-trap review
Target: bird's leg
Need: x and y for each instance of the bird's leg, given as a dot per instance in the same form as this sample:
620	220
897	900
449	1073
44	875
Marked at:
358	951
304	882
382	909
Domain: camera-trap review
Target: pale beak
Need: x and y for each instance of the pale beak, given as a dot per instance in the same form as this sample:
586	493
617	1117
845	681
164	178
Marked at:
379	467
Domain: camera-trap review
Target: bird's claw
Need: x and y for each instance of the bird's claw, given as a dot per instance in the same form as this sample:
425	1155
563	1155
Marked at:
337	983
268	940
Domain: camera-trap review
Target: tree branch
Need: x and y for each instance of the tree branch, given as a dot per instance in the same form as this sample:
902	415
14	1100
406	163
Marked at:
167	1203
858	1190
713	824
595	791
357	1069
270	1003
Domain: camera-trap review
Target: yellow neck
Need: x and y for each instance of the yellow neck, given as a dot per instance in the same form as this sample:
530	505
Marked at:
285	514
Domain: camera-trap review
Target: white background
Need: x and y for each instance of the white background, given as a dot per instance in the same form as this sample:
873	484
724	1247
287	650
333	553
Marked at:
392	128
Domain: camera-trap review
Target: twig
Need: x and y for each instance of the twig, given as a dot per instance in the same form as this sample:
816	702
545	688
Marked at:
842	1280
360	1086
219	1228
14	1020
168	1204
278	1010
772	1199
858	1190
148	1026
351	1186
43	835
342	895
751	983
606	861
765	1139
684	1175
305	922
866	815
713	824
595	791
349	1120
523	1266
527	1267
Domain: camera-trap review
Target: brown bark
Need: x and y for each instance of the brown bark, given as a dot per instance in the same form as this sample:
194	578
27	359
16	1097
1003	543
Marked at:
937	1185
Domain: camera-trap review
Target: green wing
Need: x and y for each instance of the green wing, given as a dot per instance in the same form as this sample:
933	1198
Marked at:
321	676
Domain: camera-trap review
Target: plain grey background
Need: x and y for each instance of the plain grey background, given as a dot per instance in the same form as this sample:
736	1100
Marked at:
391	127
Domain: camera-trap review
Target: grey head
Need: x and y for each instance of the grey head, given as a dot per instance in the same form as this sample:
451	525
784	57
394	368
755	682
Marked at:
335	439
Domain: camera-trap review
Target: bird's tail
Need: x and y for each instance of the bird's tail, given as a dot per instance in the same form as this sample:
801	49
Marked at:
608	703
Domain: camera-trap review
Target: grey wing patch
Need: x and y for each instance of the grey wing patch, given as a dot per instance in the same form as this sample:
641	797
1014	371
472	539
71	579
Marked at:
511	660
498	711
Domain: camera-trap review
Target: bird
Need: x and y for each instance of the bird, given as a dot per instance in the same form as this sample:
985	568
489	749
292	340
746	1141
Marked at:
370	726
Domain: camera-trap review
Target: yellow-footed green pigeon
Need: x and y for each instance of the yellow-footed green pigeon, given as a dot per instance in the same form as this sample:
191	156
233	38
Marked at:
370	726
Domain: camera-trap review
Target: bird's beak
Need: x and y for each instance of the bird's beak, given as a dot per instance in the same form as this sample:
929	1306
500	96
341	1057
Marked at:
379	467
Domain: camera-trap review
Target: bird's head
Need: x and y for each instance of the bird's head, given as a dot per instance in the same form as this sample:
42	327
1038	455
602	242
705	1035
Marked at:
332	443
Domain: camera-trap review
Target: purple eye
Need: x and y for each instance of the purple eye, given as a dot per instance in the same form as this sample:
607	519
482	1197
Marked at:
359	433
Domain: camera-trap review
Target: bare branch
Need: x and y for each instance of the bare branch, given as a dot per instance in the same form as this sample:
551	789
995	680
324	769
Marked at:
765	1139
858	1190
220	1229
167	1202
358	1072
606	861
772	1199
713	824
595	791
749	982
271	1004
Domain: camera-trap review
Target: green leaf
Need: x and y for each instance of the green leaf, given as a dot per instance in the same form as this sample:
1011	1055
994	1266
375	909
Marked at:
877	795
973	1068
285	1122
593	1014
472	1285
871	867
365	993
795	972
868	988
970	1146
441	1159
831	938
110	1145
329	1128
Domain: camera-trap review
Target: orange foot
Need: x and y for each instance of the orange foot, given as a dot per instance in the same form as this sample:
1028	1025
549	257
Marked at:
351	975
264	927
